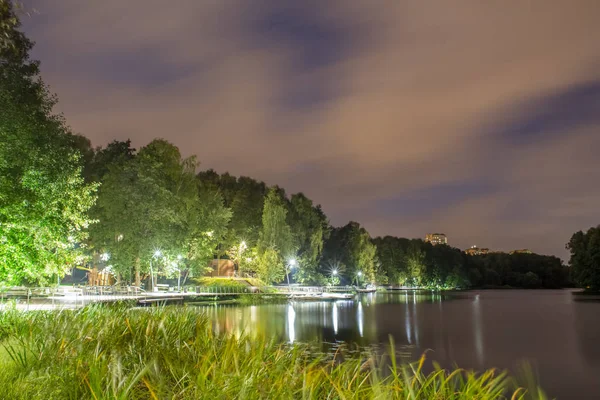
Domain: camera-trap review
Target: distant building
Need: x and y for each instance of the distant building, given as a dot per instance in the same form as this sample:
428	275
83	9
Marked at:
436	238
521	251
477	251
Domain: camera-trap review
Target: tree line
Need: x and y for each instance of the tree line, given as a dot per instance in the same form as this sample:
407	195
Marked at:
147	212
585	258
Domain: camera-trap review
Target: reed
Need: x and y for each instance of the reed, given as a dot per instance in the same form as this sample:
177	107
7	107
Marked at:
172	353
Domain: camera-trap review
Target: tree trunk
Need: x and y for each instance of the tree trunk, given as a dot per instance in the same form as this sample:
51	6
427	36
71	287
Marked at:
137	272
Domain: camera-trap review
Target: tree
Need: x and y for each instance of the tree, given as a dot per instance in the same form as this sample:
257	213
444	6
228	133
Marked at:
8	25
415	262
585	258
531	280
275	244
276	233
43	198
116	153
207	221
351	246
310	227
270	266
151	202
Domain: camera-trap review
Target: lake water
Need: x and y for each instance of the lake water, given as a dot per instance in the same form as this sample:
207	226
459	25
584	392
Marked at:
558	336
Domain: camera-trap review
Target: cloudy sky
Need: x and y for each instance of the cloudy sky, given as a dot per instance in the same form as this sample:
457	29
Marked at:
480	119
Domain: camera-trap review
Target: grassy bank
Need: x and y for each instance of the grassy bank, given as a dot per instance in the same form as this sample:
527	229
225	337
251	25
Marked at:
172	353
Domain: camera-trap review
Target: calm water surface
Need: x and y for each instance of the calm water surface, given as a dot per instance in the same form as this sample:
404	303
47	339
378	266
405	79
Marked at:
559	336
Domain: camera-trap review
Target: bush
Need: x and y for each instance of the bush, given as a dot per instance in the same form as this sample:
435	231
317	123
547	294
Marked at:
222	282
229	282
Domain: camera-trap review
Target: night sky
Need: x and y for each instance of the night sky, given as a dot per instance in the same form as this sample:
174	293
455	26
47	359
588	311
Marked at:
480	119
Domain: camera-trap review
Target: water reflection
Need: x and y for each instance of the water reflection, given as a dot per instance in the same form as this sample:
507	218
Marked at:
478	330
407	323
588	330
334	318
291	320
415	324
474	330
360	319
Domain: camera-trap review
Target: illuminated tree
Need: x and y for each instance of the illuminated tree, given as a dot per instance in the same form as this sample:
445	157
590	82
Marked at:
270	266
351	245
275	244
152	202
43	197
310	227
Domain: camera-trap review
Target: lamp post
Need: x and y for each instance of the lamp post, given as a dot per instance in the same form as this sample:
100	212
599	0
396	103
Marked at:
179	258
156	254
358	275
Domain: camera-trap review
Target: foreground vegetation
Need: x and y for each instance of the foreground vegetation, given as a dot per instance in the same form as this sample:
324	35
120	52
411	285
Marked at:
160	353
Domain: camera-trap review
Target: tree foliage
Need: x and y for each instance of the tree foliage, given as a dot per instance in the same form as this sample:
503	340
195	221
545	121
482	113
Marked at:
43	197
585	258
152	202
413	262
310	228
276	243
350	248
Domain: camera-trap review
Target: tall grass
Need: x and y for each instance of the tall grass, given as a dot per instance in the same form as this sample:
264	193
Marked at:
172	353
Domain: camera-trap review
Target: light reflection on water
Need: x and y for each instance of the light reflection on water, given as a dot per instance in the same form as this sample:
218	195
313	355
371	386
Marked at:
334	318
474	330
359	318
351	322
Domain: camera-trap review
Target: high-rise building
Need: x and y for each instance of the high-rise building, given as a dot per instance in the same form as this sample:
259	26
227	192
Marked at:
436	238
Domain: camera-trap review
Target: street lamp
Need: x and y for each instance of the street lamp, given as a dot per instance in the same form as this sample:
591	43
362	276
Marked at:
291	264
334	273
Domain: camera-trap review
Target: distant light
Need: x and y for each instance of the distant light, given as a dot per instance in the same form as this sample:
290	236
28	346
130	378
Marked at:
179	257
157	253
334	272
243	244
292	262
119	238
209	233
359	273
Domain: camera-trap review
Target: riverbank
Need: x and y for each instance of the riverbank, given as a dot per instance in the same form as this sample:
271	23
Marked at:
102	352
